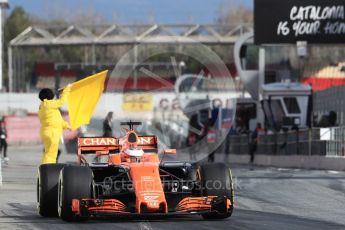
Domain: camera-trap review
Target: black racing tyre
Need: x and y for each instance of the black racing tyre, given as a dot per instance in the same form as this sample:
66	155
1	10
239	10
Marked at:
75	182
216	180
47	189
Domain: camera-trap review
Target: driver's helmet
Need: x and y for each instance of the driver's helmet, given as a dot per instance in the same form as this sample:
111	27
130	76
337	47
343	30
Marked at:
134	154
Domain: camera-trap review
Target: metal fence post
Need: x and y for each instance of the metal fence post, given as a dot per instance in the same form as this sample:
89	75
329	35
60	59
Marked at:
309	140
0	175
297	140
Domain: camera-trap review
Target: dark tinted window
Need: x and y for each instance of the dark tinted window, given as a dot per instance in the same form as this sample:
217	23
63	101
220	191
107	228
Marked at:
278	112
291	105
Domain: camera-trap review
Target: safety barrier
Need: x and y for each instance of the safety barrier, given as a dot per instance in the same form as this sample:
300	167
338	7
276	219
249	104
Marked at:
0	175
22	129
290	161
26	129
316	142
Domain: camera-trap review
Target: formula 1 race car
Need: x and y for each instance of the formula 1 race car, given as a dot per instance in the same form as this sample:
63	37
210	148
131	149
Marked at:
126	177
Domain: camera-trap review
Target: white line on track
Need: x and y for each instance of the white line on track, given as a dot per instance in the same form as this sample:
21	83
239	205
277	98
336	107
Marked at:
145	226
333	172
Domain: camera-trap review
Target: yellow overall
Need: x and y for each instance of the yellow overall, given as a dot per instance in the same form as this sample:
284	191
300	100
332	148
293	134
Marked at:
52	126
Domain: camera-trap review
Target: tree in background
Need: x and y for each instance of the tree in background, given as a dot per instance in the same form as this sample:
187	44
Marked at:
19	20
235	13
16	22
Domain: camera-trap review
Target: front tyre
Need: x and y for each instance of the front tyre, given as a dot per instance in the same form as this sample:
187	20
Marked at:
216	180
47	189
75	182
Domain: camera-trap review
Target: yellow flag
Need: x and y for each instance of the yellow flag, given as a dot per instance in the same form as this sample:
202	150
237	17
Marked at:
84	97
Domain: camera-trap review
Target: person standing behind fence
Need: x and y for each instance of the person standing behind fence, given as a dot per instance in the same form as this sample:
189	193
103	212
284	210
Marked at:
107	125
3	142
254	141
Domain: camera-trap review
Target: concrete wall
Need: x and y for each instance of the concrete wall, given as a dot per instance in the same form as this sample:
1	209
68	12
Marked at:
292	161
11	102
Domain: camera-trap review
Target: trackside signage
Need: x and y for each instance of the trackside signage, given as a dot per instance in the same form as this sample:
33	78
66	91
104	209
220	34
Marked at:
108	141
94	141
146	140
289	21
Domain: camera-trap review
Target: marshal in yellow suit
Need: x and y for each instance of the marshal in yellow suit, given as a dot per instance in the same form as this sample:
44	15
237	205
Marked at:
52	123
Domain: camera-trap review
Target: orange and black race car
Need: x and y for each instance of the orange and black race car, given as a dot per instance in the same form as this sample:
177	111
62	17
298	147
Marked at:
126	177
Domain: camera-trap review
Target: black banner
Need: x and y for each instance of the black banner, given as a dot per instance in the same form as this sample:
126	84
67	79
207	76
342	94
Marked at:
289	21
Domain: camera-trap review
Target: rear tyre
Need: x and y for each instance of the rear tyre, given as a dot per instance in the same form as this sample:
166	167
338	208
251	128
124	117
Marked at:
216	180
74	183
47	189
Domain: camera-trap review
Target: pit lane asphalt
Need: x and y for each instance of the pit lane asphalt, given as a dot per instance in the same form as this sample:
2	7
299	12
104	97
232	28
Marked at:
265	198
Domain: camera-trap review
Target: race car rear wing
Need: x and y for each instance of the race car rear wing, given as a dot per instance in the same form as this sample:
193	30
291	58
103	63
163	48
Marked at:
94	145
148	143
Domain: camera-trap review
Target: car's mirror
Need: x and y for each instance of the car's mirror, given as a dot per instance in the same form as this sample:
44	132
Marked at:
102	153
170	151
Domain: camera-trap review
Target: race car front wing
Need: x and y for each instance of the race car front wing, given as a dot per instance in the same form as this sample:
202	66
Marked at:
188	205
